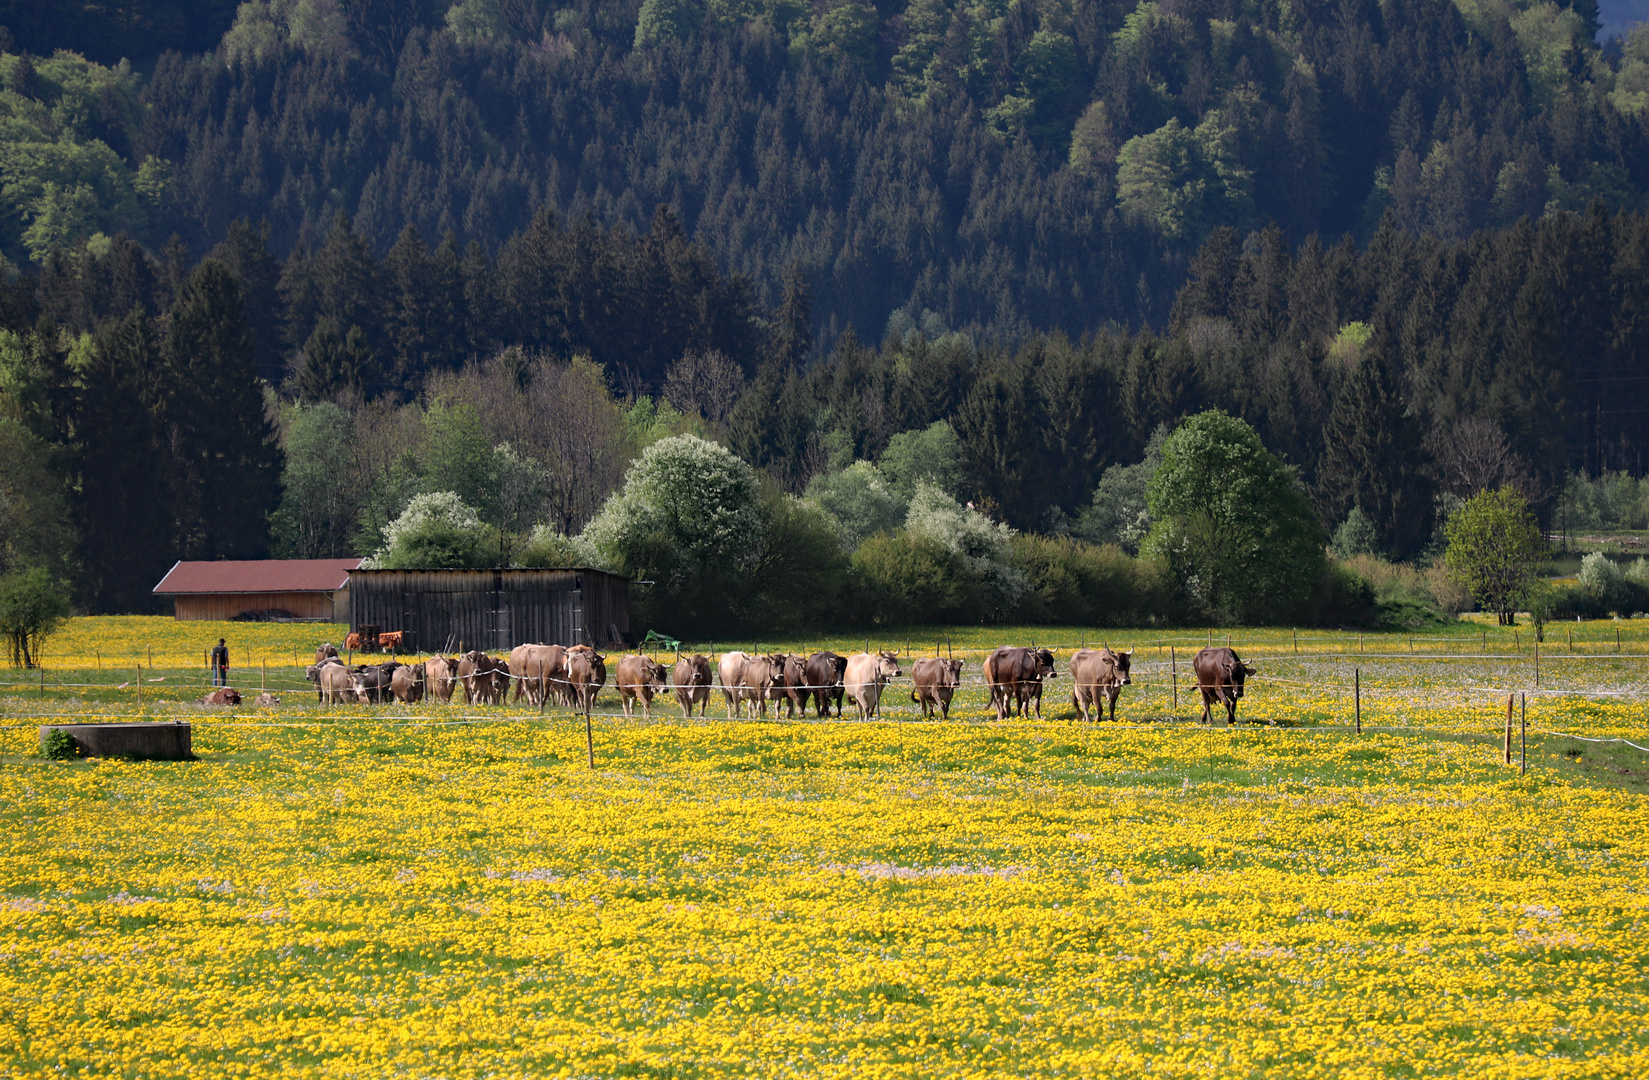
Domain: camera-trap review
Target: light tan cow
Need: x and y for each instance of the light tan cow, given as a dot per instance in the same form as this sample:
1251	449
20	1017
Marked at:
537	668
936	680
867	674
690	680
337	684
440	677
730	672
638	677
1098	676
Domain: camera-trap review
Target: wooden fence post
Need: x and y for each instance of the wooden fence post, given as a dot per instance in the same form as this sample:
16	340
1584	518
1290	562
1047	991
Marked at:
151	656
1523	757
1510	701
1357	692
1173	668
140	684
1537	662
589	736
263	677
1571	641
1296	641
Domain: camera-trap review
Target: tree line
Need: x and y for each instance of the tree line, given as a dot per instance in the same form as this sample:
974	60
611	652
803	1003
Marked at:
243	404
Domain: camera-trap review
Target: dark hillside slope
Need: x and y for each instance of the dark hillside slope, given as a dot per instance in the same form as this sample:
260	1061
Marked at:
1044	164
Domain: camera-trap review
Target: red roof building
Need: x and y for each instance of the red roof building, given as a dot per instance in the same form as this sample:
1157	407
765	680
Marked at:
279	588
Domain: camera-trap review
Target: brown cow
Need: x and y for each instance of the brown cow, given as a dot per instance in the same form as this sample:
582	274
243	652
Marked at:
587	673
314	672
324	652
638	677
1220	674
266	699
536	669
759	682
824	672
221	696
440	676
1098	676
475	670
866	674
1015	676
406	682
691	682
792	684
936	681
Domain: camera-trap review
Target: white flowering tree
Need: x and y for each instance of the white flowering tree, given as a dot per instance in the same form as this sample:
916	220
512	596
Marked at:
436	531
689	518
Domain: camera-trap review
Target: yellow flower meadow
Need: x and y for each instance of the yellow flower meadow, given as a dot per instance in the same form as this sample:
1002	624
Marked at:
449	891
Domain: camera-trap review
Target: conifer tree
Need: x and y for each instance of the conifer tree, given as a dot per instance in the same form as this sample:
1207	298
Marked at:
224	451
1373	459
122	489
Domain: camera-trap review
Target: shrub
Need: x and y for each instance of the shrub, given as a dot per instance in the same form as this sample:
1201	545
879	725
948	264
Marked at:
58	745
1345	597
860	502
32	607
1069	581
908	577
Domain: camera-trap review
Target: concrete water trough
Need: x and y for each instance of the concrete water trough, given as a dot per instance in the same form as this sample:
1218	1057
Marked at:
151	741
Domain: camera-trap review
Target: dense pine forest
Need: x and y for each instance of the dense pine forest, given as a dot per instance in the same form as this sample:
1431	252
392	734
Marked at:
276	272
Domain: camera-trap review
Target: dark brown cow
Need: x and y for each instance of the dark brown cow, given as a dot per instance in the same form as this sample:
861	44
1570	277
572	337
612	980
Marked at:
324	652
1098	676
1220	674
824	672
936	682
221	696
1015	676
691	682
587	672
793	684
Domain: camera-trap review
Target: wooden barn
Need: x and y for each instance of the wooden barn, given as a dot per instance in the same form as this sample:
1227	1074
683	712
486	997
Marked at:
279	588
439	610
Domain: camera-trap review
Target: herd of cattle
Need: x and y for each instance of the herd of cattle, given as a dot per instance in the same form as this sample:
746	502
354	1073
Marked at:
574	675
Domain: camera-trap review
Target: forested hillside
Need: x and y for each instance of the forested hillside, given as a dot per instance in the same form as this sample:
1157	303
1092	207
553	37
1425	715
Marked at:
274	288
998	166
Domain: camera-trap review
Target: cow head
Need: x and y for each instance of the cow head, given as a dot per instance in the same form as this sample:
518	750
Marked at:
1045	664
1124	660
887	665
656	674
955	669
1235	671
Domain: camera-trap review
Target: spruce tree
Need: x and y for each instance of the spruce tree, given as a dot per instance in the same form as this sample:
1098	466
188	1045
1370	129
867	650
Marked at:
121	489
1373	459
224	450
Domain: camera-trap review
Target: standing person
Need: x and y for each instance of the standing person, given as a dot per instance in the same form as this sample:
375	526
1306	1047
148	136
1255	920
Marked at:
220	664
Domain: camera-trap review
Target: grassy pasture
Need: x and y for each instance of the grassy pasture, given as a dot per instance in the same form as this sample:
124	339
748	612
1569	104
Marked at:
450	891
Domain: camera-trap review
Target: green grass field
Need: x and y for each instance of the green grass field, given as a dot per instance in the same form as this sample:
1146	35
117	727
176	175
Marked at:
451	891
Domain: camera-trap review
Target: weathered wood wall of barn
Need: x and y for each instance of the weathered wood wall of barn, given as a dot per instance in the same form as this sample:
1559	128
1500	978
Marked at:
303	605
441	610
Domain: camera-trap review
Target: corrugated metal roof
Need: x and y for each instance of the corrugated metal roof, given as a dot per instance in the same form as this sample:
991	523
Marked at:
258	576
